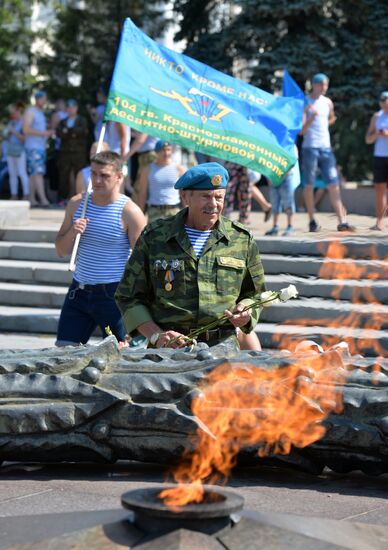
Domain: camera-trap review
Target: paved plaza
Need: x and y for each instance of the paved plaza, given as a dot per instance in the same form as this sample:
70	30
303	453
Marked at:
56	493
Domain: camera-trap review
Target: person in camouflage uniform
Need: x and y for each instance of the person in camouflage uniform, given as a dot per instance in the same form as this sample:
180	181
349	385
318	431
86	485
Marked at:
192	268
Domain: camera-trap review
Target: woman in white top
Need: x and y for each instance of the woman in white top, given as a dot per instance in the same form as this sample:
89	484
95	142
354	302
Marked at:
378	134
156	184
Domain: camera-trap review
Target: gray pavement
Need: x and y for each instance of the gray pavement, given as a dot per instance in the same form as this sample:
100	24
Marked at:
58	492
26	341
28	489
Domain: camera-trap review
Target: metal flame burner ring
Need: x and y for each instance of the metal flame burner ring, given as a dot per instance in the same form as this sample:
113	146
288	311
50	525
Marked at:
152	515
218	502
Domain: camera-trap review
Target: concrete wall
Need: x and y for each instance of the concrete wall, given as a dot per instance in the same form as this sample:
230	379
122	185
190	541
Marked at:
14	213
357	200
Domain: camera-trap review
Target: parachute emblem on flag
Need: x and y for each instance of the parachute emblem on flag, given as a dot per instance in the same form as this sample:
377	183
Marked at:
199	104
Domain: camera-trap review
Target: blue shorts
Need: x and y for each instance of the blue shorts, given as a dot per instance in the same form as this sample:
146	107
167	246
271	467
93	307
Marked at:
282	197
85	309
324	159
36	162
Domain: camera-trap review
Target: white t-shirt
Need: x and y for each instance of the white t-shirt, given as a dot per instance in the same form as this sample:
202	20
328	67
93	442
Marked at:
318	133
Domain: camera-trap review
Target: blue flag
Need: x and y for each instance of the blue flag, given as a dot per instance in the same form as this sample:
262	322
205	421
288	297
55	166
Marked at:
171	96
291	88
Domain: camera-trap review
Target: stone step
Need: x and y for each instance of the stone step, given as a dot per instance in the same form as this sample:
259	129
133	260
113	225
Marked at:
53	273
304	266
369	343
56	273
353	247
42	296
273	263
350	247
320	312
30	234
347	289
41	252
29	319
309	311
366	342
14	213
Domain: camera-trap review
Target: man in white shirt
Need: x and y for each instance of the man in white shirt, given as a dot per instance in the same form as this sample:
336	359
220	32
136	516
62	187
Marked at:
317	152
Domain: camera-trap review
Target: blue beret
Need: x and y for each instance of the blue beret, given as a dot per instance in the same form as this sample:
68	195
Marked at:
319	78
39	94
160	144
383	96
209	175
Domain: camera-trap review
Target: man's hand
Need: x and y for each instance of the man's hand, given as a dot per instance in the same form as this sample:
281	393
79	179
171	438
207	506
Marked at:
79	226
124	343
167	336
239	318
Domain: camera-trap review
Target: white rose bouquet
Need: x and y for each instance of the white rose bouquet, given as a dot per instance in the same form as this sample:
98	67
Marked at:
267	298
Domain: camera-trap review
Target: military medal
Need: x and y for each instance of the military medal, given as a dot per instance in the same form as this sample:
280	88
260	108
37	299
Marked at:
168	278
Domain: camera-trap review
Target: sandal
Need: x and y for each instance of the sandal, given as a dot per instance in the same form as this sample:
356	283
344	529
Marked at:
375	228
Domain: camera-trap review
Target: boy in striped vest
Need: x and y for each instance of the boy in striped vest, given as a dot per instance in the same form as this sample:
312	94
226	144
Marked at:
109	230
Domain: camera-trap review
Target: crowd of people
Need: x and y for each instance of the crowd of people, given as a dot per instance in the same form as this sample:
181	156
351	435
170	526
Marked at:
190	265
38	149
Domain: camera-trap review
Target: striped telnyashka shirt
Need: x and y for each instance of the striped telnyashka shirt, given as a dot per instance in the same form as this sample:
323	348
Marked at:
104	247
198	239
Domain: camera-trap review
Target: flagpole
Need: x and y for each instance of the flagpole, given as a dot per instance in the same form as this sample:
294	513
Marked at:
87	194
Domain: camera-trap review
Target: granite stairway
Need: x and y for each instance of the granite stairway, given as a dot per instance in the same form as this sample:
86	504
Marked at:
342	284
343	293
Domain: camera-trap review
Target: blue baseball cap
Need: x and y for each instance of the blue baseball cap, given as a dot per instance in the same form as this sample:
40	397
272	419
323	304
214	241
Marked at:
209	175
39	94
160	144
319	78
383	96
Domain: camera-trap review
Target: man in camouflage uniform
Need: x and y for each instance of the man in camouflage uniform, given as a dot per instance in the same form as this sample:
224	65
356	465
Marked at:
192	268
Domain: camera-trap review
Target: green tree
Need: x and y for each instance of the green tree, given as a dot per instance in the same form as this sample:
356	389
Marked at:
15	46
347	39
84	41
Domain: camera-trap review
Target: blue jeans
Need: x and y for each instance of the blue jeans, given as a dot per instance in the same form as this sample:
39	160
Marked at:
322	158
282	197
86	308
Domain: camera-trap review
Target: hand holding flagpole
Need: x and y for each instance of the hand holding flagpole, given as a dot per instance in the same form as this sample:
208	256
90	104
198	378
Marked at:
87	194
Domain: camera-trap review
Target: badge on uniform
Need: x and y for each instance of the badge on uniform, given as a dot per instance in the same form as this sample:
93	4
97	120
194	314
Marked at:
176	265
170	268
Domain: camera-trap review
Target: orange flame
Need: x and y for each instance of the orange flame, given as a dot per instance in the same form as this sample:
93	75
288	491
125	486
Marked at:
242	404
359	325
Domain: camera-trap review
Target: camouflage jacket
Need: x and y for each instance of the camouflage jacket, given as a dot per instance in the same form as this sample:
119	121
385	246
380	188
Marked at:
164	281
